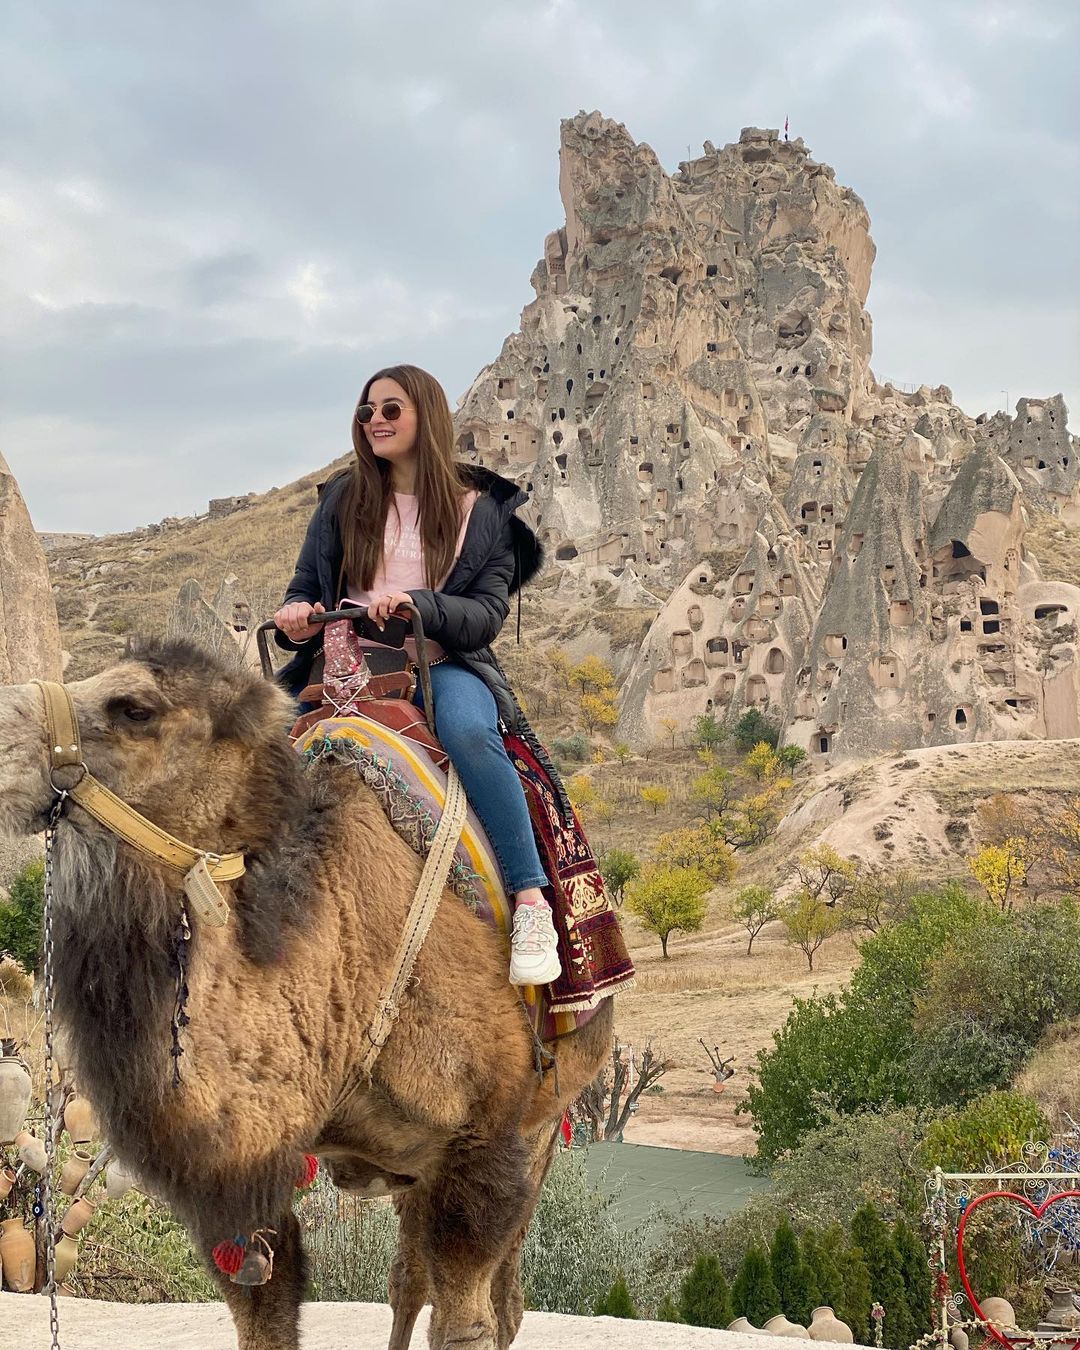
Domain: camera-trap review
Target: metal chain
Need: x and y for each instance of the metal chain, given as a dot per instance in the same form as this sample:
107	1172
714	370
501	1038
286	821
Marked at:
50	1131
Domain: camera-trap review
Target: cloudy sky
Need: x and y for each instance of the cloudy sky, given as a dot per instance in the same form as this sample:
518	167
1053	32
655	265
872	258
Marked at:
217	218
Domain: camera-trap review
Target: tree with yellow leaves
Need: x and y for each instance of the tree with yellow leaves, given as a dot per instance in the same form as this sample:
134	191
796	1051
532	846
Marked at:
763	763
671	726
598	710
593	671
697	846
825	874
669	899
999	869
809	923
655	796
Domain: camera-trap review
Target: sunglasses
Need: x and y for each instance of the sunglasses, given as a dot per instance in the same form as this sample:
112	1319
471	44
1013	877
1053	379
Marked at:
391	410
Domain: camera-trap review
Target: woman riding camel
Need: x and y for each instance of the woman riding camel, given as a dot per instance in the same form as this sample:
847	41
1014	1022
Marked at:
406	524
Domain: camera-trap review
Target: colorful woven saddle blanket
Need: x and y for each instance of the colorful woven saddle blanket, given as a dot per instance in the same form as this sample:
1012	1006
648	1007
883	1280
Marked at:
411	790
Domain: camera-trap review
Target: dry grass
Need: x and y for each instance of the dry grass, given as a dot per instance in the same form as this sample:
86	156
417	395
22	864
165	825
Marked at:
1056	545
1052	1076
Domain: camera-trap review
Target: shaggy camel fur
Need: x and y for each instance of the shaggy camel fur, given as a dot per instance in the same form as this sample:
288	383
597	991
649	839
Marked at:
456	1122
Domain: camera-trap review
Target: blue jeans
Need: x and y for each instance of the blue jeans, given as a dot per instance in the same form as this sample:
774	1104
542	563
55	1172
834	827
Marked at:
467	721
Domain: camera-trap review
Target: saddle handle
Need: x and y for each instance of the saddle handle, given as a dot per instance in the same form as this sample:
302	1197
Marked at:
358	617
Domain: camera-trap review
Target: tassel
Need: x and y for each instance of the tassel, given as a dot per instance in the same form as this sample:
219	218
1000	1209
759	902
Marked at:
229	1255
310	1172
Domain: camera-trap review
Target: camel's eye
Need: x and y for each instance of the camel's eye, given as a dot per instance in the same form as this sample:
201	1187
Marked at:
124	710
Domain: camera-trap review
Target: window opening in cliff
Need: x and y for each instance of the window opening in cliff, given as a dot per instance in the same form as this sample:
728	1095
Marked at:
991	625
961	716
743	584
775	662
794	370
885	672
645	472
769	604
716	651
565	552
547	367
823	742
727	686
960	549
616	342
737	650
596	320
966	626
901	614
509	414
787	584
466	443
835	643
779	370
824	545
809	511
694	673
560	460
663	682
855	544
647	390
682	643
562	414
507	388
809	370
569	386
1050	612
757	691
556	436
710	271
711	346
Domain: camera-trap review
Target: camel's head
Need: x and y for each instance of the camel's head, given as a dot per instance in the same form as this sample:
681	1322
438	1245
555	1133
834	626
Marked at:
199	749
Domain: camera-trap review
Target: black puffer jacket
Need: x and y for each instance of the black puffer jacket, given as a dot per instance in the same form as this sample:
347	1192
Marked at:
498	555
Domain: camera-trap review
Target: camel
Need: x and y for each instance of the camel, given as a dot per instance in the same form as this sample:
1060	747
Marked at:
456	1121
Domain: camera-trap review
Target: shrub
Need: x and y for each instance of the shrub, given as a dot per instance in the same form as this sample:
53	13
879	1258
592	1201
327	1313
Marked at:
915	1275
753	727
704	1300
809	923
617	1301
708	732
873	1238
753	1294
857	1300
655	796
989	1132
575	747
21	917
791	756
136	1252
852	1051
667	1311
822	1272
789	1275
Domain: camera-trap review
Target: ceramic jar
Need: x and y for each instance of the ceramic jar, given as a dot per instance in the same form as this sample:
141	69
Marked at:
958	1339
17	1256
14	1097
7	1180
31	1151
118	1180
67	1253
826	1326
79	1120
745	1326
73	1171
999	1310
78	1216
780	1326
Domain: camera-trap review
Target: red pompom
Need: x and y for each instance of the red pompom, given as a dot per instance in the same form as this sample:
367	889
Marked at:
567	1130
310	1172
229	1256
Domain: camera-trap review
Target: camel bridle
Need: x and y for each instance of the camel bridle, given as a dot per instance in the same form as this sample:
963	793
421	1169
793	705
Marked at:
201	868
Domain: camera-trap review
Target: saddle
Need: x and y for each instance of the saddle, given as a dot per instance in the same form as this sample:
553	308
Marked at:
377	683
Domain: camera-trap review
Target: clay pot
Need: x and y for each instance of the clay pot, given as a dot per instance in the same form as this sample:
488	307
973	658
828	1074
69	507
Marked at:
73	1171
118	1180
7	1180
254	1271
780	1326
826	1326
79	1120
17	1258
14	1097
67	1253
31	1151
746	1327
958	1339
999	1310
78	1216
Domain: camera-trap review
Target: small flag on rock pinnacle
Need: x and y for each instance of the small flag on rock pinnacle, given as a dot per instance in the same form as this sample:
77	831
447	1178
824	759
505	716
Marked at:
786	120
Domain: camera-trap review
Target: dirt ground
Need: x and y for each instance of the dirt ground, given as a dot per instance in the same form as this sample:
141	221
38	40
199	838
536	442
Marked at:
24	1322
710	988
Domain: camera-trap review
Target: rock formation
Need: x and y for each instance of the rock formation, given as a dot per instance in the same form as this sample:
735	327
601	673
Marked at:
29	632
690	402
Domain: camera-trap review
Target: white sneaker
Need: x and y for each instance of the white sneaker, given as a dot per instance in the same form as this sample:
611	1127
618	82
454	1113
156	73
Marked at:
534	946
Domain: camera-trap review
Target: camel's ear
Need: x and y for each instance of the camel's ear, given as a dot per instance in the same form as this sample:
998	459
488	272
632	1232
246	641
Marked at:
253	710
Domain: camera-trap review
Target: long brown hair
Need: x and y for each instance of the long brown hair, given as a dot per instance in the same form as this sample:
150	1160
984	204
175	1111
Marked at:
440	484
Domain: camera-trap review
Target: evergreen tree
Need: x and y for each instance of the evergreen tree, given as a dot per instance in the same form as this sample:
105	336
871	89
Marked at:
617	1301
789	1276
870	1232
915	1273
753	1294
827	1288
855	1305
667	1311
704	1300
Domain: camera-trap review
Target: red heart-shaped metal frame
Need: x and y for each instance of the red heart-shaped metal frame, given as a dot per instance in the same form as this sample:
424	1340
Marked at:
1038	1211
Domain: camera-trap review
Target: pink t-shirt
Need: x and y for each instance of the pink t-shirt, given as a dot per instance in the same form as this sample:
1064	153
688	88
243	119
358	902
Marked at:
402	567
